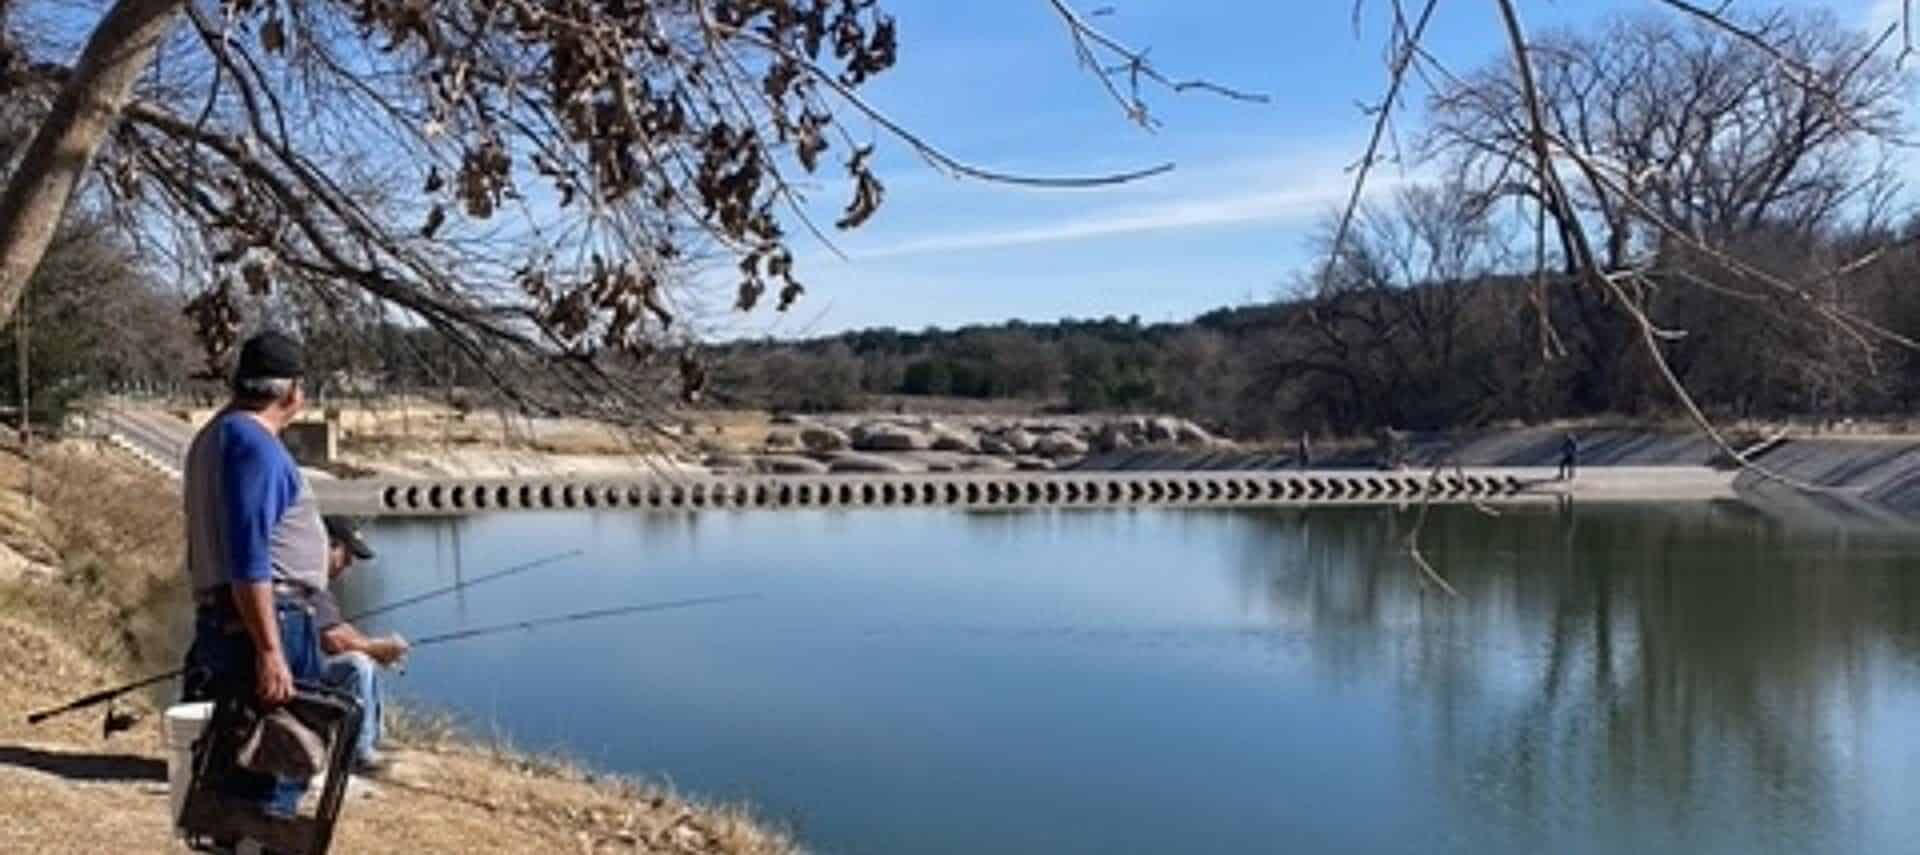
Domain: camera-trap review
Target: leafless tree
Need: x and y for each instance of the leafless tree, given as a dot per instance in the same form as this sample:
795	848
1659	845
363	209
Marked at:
1656	138
1673	133
1752	120
1389	315
1706	136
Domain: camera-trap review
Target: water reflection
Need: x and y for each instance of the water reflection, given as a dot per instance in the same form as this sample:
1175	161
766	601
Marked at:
1613	679
1604	663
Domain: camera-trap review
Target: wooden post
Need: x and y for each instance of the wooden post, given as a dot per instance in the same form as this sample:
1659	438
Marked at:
21	332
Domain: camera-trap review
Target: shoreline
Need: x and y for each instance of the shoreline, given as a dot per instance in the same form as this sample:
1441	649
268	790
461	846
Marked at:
90	597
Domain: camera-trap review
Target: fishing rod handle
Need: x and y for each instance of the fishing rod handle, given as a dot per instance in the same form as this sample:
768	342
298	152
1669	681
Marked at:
101	697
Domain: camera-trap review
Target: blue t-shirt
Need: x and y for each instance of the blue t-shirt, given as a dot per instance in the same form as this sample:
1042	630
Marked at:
250	515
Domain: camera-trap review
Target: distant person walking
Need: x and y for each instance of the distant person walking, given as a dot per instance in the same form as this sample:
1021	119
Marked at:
1392	449
1303	457
1569	456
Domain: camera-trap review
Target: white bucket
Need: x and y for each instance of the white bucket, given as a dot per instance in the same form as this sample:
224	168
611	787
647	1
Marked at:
179	728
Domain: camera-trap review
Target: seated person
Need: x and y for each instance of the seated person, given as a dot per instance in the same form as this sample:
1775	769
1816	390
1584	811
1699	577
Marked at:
351	660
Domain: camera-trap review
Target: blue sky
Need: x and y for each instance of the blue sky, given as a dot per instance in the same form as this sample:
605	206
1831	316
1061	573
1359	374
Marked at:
994	82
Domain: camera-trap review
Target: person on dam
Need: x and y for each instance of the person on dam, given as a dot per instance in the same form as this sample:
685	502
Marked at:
1569	456
255	548
352	660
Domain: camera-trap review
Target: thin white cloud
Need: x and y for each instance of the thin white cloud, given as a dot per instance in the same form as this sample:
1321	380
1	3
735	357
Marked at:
1207	211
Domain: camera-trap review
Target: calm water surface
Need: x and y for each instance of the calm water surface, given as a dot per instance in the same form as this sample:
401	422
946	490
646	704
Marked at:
1614	679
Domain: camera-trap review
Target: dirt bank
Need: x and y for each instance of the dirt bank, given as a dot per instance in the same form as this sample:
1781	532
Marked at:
94	581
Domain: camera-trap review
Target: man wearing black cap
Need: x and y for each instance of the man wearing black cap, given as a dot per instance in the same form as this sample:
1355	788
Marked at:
255	550
353	661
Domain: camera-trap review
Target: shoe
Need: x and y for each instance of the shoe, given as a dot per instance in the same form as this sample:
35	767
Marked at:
359	788
372	765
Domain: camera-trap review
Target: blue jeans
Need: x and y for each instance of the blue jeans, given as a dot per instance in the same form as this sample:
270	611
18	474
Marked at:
358	675
220	659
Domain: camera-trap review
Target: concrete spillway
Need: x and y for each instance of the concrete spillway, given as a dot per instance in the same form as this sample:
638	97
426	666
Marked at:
161	440
452	497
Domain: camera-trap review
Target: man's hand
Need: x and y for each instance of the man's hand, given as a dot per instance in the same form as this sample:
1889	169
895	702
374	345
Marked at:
274	681
389	649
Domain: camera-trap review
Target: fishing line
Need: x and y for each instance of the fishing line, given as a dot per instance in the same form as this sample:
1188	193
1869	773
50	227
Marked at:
105	695
595	614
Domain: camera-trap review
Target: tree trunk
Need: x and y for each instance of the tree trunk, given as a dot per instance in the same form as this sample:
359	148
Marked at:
82	115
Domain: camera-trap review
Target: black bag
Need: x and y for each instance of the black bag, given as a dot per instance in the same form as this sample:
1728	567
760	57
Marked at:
319	723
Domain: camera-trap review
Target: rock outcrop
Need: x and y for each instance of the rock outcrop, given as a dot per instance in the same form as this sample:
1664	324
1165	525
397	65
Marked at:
853	461
890	437
821	439
1055	446
789	464
958	443
946	438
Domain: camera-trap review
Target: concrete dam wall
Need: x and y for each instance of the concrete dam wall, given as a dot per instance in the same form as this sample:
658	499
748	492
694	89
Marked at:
450	497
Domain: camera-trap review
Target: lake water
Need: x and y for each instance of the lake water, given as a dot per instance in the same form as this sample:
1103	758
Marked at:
1614	679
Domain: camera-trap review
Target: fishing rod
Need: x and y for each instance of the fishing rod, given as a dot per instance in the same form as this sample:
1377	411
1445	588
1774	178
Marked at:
424	596
106	695
595	614
102	696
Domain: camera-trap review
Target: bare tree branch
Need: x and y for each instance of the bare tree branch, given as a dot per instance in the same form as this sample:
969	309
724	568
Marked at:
1111	61
1404	51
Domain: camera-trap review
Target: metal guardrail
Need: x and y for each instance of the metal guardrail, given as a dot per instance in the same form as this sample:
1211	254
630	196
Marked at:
141	454
147	443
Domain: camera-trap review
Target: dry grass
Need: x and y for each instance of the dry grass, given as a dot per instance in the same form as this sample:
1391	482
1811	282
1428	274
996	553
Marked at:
110	607
111	533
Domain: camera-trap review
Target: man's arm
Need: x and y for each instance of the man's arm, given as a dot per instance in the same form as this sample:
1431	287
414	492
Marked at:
254	497
346	638
342	638
337	636
273	680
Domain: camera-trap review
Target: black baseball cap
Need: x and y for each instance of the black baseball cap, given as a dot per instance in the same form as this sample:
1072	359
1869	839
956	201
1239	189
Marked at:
342	530
271	355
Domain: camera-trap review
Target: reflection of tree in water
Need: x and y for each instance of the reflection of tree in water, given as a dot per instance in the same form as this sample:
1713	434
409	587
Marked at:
1609	671
661	530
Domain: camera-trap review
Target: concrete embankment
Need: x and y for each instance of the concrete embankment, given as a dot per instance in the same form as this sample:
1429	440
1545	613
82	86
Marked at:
1875	478
1858	478
1519	447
